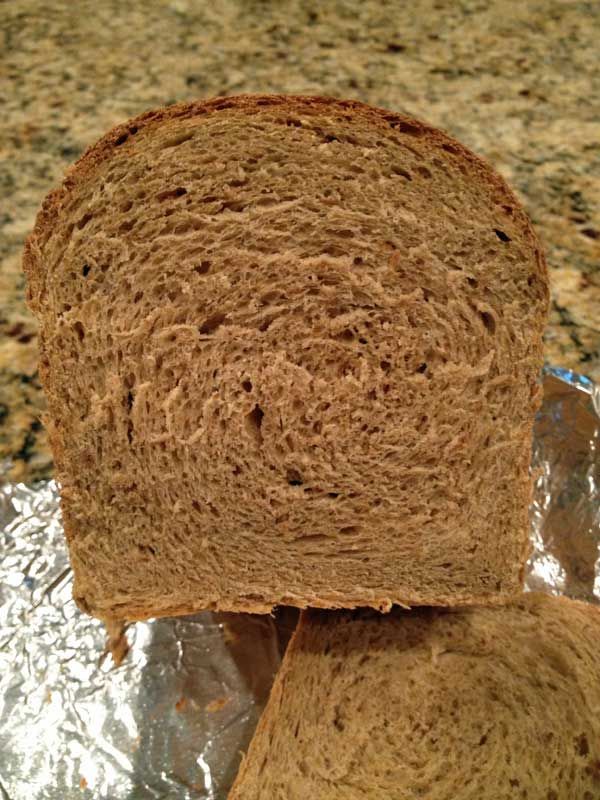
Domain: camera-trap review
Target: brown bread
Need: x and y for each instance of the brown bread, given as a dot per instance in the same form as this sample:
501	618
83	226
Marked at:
291	348
475	704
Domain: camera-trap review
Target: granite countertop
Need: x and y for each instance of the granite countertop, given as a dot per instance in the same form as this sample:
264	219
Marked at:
517	82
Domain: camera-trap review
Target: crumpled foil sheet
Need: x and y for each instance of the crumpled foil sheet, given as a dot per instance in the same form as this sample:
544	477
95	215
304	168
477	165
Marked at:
565	510
171	721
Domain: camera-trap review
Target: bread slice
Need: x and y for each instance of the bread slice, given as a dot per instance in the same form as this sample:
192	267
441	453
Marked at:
291	349
489	703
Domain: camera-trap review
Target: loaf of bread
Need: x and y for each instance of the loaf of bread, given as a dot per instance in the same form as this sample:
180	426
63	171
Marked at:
291	349
492	703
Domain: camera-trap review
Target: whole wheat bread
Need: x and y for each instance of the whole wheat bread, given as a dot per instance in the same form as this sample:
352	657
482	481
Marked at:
493	703
291	348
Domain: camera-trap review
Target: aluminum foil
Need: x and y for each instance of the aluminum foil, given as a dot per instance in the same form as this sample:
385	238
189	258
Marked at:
171	721
565	510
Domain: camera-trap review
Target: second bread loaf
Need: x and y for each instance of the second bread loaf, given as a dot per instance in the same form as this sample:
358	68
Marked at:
464	704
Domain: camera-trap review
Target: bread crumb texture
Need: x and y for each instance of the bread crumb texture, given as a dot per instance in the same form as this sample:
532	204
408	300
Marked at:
291	351
473	704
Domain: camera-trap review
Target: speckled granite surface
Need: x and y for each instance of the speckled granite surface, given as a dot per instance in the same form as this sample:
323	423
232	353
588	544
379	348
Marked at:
518	82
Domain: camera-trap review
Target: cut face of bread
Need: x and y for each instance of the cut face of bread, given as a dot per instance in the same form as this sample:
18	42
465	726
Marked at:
291	348
475	704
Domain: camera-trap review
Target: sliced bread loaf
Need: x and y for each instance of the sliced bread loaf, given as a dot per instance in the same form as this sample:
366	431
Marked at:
291	348
474	704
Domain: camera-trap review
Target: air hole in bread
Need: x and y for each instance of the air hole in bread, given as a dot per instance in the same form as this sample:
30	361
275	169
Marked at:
422	423
126	226
504	237
137	297
426	173
349	529
171	194
270	297
254	422
408	128
293	477
266	324
385	366
202	268
344	233
473	282
212	323
85	270
121	139
489	321
78	328
582	746
84	221
402	172
247	385
450	148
